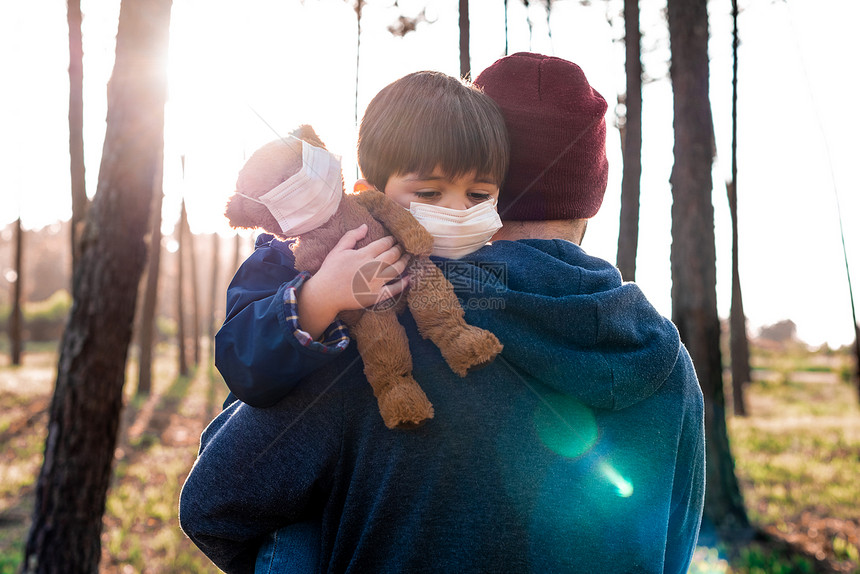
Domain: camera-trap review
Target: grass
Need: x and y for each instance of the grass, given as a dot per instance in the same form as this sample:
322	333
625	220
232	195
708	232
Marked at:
156	448
797	457
156	451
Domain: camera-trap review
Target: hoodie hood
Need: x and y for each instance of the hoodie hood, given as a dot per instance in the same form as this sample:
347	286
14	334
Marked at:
567	320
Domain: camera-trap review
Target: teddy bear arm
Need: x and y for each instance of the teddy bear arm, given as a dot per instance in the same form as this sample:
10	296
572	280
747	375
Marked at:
398	221
440	318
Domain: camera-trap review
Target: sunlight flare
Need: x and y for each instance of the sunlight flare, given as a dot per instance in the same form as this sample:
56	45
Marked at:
565	425
625	488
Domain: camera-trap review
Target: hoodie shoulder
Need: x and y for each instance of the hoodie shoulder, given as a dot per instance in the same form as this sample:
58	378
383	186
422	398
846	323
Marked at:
571	323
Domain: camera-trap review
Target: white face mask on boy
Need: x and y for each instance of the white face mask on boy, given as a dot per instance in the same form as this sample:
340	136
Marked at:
457	232
308	198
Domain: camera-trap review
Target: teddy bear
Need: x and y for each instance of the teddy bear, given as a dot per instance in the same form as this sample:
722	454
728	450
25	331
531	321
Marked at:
379	336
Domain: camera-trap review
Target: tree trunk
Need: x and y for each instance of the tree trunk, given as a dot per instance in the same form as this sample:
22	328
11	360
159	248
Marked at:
237	252
16	320
359	7
180	293
529	22
738	342
148	310
507	49
214	294
548	5
76	128
85	410
628	233
854	319
693	256
465	62
857	355
195	291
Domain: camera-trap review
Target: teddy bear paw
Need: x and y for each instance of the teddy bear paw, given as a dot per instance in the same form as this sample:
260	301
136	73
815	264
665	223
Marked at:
473	349
404	406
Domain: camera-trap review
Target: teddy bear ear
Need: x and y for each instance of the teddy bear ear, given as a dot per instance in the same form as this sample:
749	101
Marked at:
307	133
243	213
234	212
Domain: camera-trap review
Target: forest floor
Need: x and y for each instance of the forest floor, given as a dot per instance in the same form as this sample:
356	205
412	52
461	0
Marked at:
797	457
157	445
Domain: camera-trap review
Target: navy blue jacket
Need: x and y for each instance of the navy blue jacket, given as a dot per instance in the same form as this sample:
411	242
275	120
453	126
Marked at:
579	449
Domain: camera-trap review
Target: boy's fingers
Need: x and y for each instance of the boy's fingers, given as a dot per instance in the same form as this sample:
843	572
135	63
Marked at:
351	237
391	255
399	266
393	289
380	246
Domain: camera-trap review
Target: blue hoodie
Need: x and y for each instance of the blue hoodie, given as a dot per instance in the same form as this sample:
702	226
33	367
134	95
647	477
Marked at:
579	449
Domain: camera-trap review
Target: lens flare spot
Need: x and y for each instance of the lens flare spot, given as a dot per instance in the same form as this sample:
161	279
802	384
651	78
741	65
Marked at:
565	425
625	489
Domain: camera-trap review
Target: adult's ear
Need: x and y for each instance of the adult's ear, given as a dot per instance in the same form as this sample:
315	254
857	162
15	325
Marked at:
362	185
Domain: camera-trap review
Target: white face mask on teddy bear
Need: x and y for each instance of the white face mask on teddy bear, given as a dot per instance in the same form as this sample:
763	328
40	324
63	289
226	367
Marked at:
310	197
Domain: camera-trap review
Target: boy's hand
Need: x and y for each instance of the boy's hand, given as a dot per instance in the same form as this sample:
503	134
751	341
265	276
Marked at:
357	278
352	278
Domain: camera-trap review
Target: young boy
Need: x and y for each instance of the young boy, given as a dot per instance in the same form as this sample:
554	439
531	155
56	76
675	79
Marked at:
579	449
435	145
432	143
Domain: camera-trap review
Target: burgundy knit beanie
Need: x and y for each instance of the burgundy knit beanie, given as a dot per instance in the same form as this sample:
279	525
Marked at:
555	120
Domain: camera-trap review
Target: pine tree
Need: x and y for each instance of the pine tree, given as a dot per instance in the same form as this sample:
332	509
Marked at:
85	410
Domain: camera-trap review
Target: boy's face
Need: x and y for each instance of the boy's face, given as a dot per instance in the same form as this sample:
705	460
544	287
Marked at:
438	189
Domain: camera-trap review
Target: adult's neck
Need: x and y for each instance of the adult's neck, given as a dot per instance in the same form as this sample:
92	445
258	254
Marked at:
569	229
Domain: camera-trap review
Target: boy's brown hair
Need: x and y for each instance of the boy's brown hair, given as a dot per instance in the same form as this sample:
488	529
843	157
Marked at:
427	120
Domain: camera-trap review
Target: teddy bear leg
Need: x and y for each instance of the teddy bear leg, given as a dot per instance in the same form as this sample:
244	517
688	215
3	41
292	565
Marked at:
439	317
384	348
